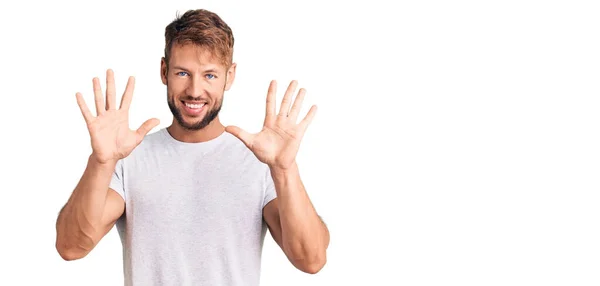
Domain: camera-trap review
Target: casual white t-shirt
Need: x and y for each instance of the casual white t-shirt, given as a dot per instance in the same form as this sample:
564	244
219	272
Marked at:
193	212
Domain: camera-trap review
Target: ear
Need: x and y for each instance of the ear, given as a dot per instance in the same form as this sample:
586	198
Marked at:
230	76
163	70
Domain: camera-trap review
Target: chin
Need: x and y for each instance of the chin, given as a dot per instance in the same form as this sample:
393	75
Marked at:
193	117
195	124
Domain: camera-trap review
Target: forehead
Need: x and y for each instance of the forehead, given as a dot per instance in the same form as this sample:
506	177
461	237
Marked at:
193	56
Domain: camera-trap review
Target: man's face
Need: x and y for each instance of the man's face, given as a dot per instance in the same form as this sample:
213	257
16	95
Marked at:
196	82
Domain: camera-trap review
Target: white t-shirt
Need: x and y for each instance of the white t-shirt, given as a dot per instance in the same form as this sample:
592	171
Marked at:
193	212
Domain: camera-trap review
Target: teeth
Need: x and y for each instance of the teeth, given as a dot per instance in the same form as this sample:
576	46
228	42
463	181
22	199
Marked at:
194	106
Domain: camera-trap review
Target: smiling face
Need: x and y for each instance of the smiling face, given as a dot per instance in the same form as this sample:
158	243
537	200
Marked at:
196	81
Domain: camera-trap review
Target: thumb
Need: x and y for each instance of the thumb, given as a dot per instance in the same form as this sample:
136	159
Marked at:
147	126
240	134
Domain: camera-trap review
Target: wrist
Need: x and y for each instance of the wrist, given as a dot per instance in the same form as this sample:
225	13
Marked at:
284	172
101	164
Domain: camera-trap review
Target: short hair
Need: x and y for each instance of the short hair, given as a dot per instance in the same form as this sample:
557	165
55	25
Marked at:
204	29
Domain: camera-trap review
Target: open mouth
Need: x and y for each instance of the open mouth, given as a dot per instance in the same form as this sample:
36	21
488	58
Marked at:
193	108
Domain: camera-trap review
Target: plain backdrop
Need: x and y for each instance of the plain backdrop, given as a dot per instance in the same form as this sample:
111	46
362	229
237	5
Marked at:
456	142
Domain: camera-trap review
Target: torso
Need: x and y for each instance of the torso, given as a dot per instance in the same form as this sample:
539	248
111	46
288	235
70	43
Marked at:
193	212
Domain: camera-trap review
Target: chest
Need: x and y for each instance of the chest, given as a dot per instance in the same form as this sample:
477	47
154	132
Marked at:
182	195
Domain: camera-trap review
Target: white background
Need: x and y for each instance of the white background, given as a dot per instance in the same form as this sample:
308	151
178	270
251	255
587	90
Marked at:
456	142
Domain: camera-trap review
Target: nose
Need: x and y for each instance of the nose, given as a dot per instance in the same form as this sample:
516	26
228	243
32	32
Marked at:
196	87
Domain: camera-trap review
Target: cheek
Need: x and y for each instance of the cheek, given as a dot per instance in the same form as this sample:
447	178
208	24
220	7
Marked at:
215	95
215	88
174	89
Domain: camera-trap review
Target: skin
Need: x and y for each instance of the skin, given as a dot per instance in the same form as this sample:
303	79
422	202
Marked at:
193	75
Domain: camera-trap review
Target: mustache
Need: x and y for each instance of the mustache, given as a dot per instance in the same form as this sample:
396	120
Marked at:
191	98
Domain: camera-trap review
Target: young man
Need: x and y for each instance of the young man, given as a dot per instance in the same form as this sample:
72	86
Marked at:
192	201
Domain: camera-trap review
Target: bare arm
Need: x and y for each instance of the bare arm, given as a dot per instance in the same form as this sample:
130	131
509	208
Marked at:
93	208
292	219
294	223
90	212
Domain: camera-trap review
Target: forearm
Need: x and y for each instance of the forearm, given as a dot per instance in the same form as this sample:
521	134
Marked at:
304	235
79	224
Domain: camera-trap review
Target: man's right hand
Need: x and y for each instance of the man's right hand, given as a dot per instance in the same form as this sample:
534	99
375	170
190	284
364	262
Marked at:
109	130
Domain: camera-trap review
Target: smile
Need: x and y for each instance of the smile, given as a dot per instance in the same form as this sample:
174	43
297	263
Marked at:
194	105
193	108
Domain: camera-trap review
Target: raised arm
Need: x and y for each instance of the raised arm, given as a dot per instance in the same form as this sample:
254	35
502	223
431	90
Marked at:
291	217
93	208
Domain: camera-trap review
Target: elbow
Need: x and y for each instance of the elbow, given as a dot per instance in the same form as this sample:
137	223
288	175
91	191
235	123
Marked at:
74	242
68	253
313	265
70	250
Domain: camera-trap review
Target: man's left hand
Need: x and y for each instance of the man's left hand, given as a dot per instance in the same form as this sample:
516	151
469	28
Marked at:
279	140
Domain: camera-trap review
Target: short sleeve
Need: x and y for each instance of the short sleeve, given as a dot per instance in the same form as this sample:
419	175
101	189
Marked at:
116	182
270	192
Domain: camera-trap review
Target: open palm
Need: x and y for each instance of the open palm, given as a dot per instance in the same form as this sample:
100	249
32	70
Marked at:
111	137
278	142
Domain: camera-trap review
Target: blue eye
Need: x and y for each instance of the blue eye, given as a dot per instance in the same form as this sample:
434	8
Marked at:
210	76
181	73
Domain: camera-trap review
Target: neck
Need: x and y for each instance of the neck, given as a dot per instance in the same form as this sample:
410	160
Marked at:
211	131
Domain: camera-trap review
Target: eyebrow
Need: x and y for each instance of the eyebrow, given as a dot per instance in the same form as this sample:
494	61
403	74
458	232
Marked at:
212	70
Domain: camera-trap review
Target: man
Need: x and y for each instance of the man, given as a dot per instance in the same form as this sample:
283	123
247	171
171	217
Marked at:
192	201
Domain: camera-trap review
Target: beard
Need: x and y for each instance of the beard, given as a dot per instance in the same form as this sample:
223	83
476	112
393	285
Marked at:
210	115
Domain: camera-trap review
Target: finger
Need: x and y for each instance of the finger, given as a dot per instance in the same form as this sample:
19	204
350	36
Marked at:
110	90
308	118
146	127
297	105
241	134
128	94
85	111
284	109
270	114
98	98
